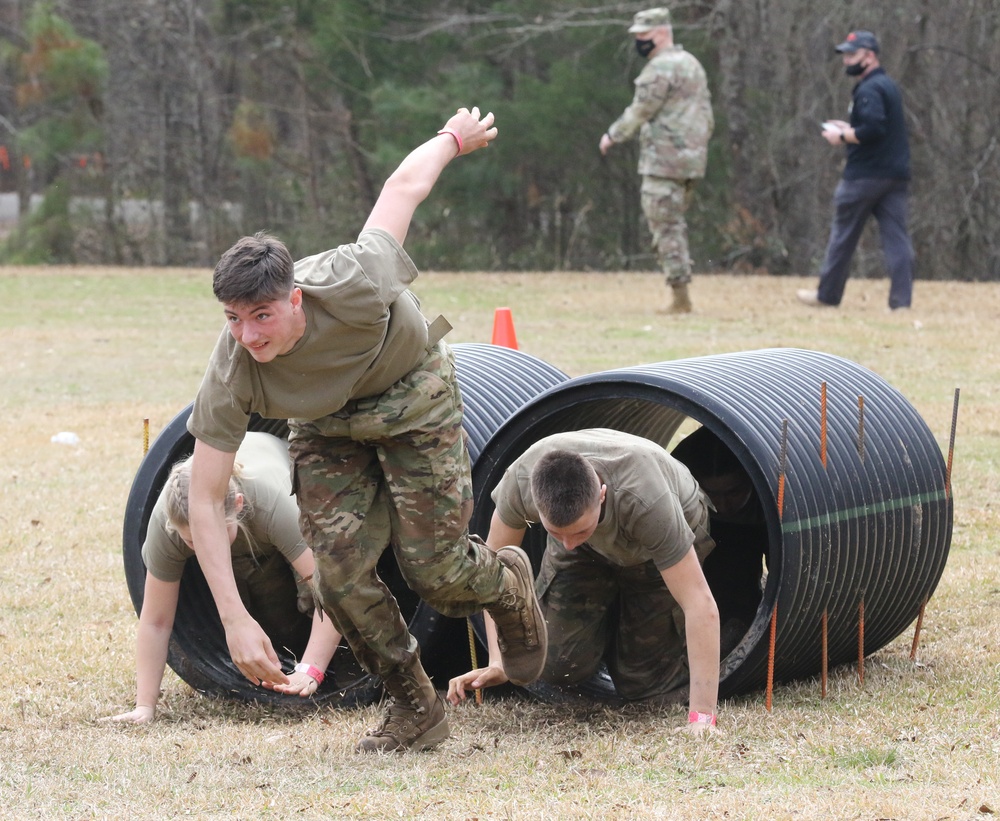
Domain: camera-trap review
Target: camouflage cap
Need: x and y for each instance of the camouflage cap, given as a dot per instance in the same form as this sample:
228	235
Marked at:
650	19
858	40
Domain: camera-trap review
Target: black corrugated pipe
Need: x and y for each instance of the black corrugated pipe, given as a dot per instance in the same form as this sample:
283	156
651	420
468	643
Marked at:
495	381
873	526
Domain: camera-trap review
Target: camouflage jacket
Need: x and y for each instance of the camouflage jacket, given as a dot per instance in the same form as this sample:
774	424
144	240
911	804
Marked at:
672	112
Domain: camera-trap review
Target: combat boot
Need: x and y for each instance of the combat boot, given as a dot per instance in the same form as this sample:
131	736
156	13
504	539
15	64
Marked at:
521	632
415	719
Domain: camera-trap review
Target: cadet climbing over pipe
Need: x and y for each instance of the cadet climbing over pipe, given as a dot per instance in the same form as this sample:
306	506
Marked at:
336	344
621	579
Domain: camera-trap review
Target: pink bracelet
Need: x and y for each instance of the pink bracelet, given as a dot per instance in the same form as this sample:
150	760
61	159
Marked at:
309	670
694	717
455	134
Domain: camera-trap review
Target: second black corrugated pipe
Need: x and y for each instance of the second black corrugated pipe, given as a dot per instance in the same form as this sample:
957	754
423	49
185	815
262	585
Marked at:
873	526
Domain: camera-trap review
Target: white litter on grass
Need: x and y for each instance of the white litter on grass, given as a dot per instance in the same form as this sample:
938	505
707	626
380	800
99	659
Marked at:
66	437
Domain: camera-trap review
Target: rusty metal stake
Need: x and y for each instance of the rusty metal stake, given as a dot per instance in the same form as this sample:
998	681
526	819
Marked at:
822	423
916	631
825	652
861	642
770	656
951	444
783	455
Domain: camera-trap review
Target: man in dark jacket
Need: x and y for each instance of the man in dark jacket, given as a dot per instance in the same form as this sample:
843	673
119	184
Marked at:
875	179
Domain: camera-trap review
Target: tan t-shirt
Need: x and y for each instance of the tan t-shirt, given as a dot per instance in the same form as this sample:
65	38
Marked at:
364	332
272	522
651	497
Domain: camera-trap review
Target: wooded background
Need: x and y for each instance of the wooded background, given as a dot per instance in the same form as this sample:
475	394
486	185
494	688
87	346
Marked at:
155	132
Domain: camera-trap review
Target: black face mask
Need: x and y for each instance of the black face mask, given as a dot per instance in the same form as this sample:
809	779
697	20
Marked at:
644	47
854	71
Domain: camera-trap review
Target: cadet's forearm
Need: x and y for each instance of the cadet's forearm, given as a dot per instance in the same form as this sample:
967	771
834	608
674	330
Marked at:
702	633
211	470
151	646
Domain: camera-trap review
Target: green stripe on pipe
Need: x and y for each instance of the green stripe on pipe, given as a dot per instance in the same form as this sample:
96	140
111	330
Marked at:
858	512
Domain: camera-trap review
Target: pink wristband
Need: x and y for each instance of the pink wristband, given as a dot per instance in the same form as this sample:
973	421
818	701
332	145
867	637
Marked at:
694	717
454	134
309	670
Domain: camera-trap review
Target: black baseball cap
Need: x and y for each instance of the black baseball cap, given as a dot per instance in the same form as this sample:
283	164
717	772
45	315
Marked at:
856	40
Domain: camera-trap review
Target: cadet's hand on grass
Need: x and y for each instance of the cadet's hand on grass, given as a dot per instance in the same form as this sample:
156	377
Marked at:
140	715
475	680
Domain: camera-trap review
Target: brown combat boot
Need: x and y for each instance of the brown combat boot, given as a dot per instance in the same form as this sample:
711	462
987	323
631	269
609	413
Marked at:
415	719
682	300
521	631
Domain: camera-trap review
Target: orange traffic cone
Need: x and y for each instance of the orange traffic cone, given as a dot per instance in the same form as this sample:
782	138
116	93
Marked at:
503	329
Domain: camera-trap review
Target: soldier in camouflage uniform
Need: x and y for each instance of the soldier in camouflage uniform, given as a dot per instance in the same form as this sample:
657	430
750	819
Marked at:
672	113
336	344
621	578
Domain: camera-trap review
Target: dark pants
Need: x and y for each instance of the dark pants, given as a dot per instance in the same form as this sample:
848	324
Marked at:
854	201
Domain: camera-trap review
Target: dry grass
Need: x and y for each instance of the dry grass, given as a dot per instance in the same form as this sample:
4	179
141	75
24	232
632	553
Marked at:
96	351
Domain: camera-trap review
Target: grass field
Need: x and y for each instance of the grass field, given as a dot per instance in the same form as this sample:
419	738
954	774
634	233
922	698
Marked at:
96	351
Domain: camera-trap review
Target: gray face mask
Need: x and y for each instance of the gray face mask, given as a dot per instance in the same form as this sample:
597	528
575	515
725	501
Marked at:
644	47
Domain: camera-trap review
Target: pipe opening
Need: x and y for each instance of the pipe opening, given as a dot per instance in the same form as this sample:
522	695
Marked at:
736	569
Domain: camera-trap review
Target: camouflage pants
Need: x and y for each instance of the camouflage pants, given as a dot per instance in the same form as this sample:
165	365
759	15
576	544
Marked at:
392	470
665	203
598	611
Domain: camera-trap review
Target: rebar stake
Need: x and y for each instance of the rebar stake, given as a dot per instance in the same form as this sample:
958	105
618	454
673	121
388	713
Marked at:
782	456
861	428
770	656
824	653
472	655
951	445
861	642
822	423
916	631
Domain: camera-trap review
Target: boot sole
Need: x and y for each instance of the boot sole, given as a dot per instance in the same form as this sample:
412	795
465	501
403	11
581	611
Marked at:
532	660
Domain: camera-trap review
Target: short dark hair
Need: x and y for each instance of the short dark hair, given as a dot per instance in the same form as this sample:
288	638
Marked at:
564	486
256	269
